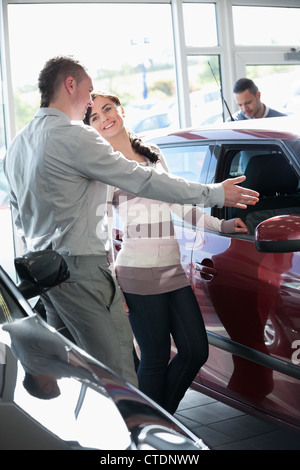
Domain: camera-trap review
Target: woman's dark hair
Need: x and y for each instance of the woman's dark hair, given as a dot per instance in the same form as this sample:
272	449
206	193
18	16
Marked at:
137	144
55	71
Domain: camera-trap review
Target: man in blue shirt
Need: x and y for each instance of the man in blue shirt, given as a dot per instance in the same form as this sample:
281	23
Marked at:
247	96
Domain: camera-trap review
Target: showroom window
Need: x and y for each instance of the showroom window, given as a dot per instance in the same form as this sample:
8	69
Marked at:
271	56
200	24
253	25
204	86
2	130
157	55
272	81
153	55
6	232
130	53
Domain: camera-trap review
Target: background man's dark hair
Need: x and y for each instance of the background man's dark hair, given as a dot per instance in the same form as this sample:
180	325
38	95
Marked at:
244	84
33	388
55	71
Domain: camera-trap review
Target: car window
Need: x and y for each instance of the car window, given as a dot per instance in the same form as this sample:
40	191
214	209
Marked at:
242	158
188	161
269	172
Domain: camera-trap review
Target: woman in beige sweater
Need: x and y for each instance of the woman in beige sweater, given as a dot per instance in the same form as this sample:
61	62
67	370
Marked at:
160	300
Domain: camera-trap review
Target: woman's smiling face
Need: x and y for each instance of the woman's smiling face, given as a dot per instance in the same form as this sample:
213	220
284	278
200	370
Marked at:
106	117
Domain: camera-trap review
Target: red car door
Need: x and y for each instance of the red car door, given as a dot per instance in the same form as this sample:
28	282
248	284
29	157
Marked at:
250	305
249	300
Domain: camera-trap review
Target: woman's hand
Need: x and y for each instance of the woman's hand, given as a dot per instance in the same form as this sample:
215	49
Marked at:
240	226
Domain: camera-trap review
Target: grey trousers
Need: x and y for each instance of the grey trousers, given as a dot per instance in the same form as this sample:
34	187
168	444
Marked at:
90	305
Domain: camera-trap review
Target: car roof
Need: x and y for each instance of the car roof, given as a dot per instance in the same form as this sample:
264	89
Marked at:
283	128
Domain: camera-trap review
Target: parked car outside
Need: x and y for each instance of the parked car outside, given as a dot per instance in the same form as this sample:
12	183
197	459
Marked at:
206	106
93	408
160	115
145	116
250	299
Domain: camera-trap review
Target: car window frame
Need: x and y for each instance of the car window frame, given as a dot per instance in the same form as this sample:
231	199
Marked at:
221	169
185	145
210	144
216	169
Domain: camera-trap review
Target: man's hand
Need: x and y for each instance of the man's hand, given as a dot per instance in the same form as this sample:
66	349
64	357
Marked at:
236	196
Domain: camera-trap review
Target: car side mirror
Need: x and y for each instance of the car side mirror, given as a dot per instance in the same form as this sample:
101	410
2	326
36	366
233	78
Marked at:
280	234
39	271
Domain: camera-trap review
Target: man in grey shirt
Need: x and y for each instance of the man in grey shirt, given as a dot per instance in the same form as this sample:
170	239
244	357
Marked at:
58	171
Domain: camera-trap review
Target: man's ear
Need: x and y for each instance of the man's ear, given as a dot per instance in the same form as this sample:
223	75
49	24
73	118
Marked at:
69	84
123	112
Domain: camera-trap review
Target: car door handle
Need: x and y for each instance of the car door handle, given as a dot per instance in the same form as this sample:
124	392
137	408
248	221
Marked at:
206	269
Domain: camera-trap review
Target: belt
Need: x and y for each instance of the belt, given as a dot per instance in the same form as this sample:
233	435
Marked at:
86	259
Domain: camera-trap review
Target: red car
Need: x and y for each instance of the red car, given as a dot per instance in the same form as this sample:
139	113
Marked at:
247	286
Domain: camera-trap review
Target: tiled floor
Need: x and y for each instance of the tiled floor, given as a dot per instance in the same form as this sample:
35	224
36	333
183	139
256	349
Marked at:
224	428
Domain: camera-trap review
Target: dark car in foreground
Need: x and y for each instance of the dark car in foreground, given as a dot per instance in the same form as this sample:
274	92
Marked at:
247	285
93	408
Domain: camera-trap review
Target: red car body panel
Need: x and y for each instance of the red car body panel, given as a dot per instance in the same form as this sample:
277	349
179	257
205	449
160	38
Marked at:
250	300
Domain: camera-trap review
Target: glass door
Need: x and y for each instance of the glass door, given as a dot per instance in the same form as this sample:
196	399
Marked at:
271	55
